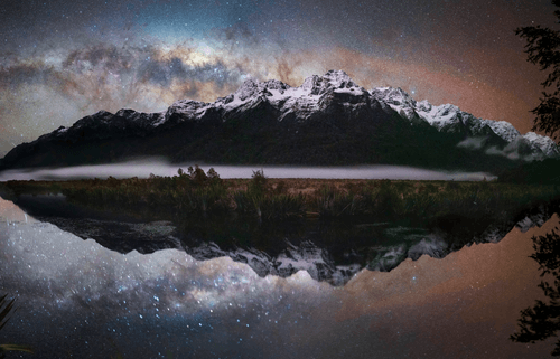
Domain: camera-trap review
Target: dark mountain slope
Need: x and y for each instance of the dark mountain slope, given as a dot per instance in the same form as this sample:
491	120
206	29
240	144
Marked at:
326	121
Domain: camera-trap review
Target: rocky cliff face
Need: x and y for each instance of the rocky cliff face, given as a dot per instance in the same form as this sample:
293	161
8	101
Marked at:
327	120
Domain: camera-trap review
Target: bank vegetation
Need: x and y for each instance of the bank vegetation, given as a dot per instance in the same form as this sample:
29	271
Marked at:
198	193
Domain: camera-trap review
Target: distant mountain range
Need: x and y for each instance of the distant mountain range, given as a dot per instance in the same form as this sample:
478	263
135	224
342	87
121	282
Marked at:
328	120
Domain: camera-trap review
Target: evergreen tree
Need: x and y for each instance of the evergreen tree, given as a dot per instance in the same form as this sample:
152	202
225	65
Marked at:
543	48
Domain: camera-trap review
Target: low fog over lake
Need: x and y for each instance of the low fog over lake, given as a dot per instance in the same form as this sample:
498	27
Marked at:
160	167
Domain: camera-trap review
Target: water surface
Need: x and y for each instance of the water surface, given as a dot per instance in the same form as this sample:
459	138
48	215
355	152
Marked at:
80	299
331	249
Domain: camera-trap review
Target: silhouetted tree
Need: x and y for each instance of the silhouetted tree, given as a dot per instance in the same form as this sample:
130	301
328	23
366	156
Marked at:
212	174
542	320
197	175
543	48
258	181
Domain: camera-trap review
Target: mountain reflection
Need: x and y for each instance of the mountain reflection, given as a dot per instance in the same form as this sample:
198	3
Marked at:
329	249
77	298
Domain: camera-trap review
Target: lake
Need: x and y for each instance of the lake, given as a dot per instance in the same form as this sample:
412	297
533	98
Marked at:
100	297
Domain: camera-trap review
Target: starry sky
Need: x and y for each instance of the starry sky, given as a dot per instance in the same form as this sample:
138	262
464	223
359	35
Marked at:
62	60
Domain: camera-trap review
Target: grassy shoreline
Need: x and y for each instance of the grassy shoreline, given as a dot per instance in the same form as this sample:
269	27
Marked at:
198	193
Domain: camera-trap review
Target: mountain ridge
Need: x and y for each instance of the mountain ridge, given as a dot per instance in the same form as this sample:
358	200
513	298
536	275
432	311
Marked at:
445	116
328	119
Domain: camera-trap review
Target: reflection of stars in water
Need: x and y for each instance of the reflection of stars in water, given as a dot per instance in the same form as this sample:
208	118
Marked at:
78	299
70	272
153	302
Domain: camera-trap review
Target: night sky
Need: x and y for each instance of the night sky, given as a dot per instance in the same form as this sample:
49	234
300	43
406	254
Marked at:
62	60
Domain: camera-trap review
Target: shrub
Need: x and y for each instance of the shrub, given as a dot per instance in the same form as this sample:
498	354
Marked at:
258	181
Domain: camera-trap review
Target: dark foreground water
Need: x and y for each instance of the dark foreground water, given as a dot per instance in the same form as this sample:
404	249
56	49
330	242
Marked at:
79	299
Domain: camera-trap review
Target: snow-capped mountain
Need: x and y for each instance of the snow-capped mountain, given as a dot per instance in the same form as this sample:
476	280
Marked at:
312	96
304	257
448	118
328	119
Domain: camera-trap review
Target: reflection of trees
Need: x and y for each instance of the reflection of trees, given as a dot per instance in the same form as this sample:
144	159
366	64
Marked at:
542	320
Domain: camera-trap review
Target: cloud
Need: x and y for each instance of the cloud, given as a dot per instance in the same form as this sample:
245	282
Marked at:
240	33
286	66
473	143
519	148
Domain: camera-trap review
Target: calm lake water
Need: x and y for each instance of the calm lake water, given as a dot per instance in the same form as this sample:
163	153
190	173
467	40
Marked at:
281	246
143	168
79	299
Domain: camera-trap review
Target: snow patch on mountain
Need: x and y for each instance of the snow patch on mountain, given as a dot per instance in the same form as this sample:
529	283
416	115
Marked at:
313	95
503	129
397	99
304	257
449	118
317	93
544	143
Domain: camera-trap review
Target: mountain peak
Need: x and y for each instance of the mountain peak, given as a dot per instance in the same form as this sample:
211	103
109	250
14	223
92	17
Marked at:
249	88
338	78
393	96
335	79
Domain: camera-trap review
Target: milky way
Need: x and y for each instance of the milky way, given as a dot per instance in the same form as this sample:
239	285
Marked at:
61	61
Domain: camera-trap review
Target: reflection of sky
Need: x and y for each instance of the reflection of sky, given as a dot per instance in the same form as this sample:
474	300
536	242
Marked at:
80	298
